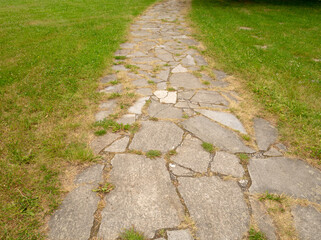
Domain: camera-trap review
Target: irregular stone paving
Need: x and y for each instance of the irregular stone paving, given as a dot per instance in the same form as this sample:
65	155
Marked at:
187	192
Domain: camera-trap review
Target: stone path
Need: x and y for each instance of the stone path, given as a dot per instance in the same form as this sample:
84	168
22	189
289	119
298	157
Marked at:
186	193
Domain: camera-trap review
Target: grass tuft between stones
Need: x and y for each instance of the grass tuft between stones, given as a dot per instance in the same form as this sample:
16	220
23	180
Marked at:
153	154
271	196
108	187
131	234
244	158
208	147
256	235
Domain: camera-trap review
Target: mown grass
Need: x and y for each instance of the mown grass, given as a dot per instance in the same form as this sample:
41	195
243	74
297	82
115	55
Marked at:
278	57
51	54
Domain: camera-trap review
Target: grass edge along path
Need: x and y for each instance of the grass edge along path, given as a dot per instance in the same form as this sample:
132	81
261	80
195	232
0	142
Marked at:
52	53
272	49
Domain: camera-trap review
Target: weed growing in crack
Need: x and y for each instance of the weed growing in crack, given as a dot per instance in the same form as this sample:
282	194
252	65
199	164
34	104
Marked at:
153	154
108	187
120	57
254	235
150	82
244	158
115	82
100	132
131	234
171	89
153	119
271	196
246	137
208	147
185	116
107	124
172	152
133	68
206	83
114	95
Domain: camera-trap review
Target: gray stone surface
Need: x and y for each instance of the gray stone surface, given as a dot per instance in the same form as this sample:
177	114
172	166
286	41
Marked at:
161	86
262	219
307	222
179	69
101	115
108	78
180	171
209	97
179	235
163	75
138	106
109	105
127	119
144	197
140	83
265	133
74	218
185	80
186	95
113	89
162	136
164	55
145	91
119	68
188	60
213	133
99	143
273	152
283	175
228	164
160	110
118	146
91	175
191	154
221	84
224	118
219	75
217	207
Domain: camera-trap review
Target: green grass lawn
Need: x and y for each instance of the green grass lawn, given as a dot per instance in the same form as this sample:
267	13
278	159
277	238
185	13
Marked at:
51	54
278	56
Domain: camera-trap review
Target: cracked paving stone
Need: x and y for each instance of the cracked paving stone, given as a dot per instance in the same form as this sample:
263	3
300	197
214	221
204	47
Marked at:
217	207
227	164
185	80
118	146
179	69
219	75
161	86
188	60
170	98
265	133
145	91
164	55
186	95
179	235
138	106
143	196
113	89
262	219
279	175
99	143
74	218
307	222
163	75
127	119
213	133
273	152
224	118
108	78
192	155
209	97
159	110
91	175
180	171
162	136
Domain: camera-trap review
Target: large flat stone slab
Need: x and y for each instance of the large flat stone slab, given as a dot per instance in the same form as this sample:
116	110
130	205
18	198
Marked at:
228	164
92	175
160	110
192	155
209	97
118	146
283	175
263	220
99	143
144	197
265	133
179	235
217	207
162	136
138	106
74	218
212	132
307	222
185	80
224	118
